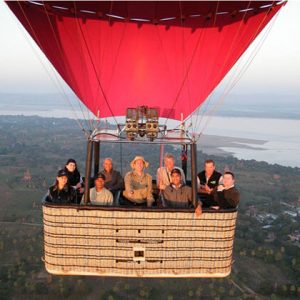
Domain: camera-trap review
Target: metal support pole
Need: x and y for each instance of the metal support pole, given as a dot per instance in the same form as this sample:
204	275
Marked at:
194	173
184	159
96	157
88	169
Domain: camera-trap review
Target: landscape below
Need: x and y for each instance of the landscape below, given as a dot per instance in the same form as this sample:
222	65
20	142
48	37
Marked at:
266	252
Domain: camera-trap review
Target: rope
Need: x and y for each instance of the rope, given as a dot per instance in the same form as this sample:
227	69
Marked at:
230	87
233	81
83	66
94	69
198	116
222	67
57	84
184	79
185	64
61	53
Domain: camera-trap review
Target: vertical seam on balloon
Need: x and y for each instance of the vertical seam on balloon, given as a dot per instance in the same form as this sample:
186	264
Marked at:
95	71
184	79
199	117
242	71
221	70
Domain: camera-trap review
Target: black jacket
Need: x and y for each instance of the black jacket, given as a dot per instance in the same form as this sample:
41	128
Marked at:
213	180
116	183
227	198
73	177
65	196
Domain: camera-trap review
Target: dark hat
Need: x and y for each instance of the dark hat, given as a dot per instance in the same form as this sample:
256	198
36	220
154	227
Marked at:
100	175
71	160
176	170
61	173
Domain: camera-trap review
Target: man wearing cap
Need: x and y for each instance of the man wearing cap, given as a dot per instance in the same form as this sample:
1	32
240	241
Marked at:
138	184
61	192
164	173
99	195
177	194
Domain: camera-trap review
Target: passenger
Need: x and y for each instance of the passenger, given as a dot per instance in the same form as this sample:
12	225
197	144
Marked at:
164	173
177	194
208	179
114	181
74	177
138	185
61	192
99	195
226	195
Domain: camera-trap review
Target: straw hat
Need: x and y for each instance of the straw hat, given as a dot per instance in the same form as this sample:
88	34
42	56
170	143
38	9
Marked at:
146	164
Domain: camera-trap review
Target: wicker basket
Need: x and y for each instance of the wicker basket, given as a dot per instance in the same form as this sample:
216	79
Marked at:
137	242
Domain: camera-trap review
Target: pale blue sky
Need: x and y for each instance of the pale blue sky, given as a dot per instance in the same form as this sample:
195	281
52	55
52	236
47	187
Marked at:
275	70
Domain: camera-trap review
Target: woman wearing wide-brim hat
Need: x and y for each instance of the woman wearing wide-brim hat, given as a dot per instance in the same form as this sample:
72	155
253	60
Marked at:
138	184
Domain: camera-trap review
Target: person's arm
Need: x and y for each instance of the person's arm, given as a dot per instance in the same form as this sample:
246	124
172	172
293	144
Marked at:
73	196
82	200
198	209
227	199
119	185
150	198
149	187
110	198
48	197
220	181
159	179
205	189
128	186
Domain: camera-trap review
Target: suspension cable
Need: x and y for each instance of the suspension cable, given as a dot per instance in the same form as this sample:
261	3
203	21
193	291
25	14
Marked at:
94	69
185	76
61	53
56	83
234	80
197	124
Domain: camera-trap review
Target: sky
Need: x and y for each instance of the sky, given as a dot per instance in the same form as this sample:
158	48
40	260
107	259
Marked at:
275	69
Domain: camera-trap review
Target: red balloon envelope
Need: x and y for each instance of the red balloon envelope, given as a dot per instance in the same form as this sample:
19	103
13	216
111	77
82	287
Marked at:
169	55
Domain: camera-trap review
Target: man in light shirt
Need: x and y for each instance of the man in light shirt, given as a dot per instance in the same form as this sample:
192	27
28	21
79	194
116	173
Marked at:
164	173
99	195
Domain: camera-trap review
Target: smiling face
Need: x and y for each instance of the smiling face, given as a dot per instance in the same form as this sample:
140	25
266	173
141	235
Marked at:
99	184
176	179
71	167
209	168
228	180
169	163
107	165
62	181
139	165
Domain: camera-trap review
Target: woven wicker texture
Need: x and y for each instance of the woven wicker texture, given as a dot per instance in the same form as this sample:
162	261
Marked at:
131	243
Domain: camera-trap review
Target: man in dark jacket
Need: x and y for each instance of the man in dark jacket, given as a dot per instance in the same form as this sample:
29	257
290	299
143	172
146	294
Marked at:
226	195
114	181
208	179
177	194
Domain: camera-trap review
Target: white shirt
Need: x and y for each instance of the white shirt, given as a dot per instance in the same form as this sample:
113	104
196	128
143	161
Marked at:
104	197
163	177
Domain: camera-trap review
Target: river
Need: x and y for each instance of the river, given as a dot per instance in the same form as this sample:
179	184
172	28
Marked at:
276	140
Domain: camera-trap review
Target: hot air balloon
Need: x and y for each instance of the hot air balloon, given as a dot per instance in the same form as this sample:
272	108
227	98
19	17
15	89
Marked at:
148	61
